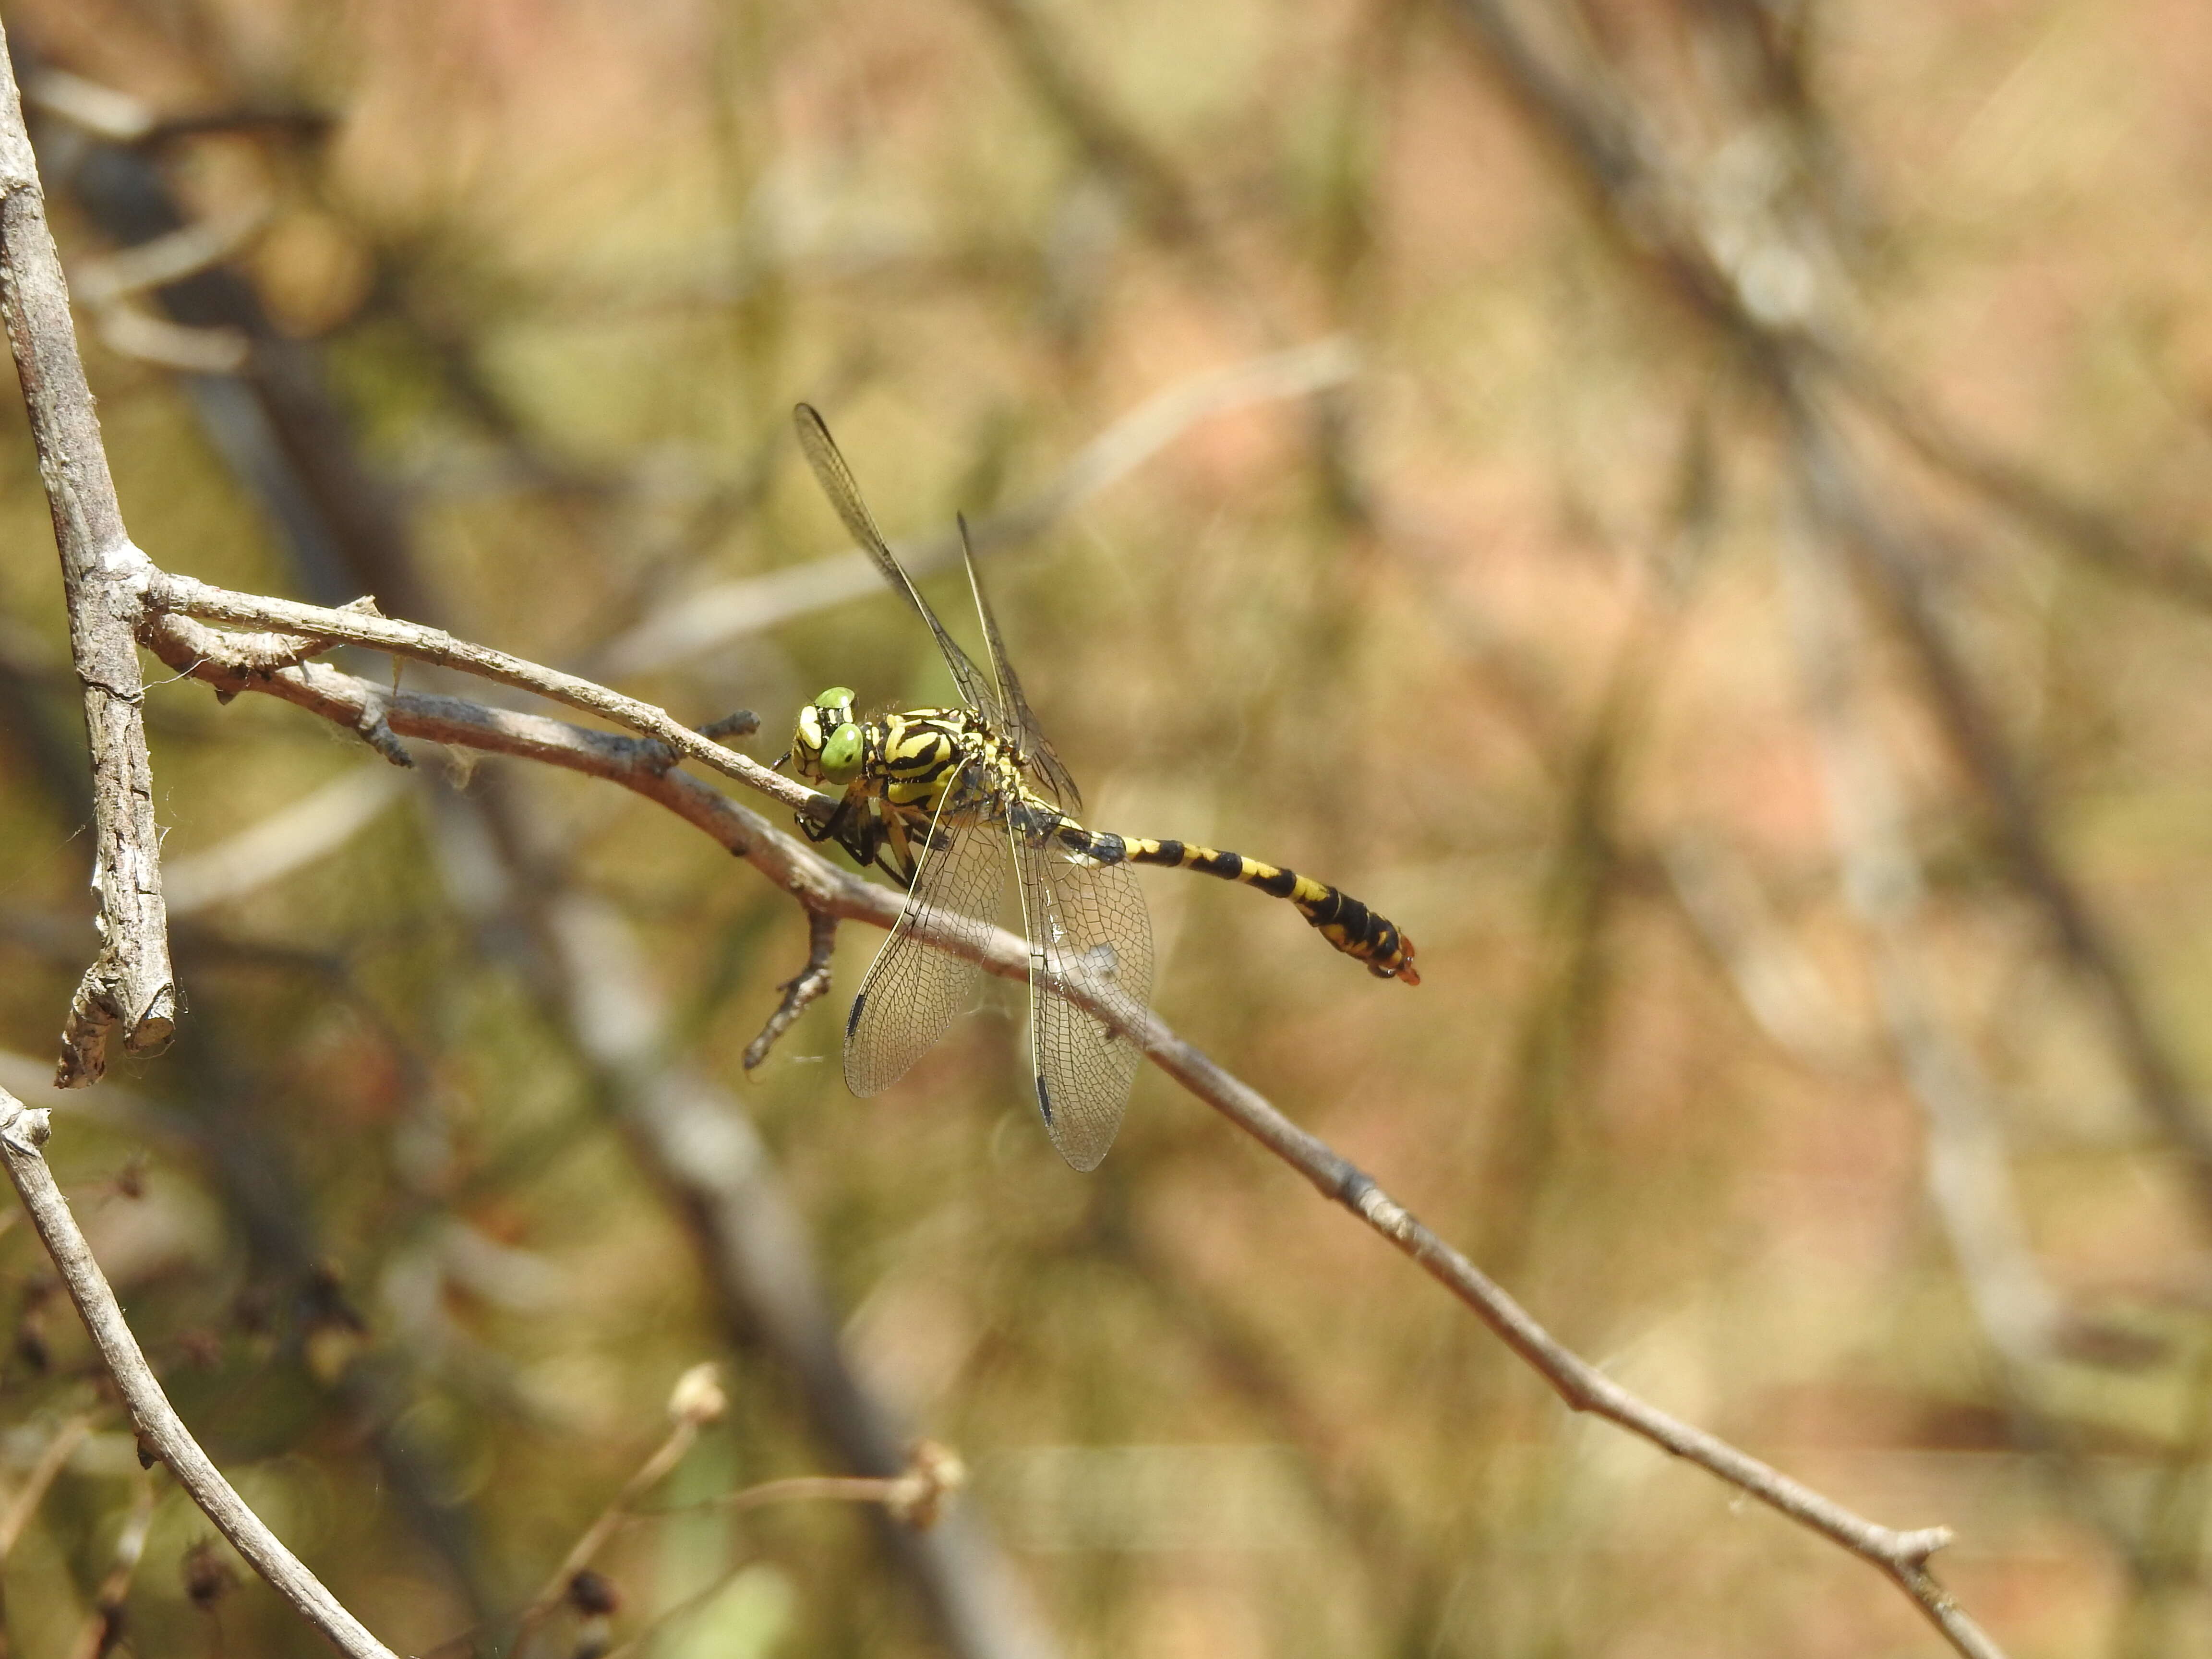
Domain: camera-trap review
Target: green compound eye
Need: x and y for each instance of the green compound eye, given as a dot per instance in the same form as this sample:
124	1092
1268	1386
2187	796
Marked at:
839	697
842	754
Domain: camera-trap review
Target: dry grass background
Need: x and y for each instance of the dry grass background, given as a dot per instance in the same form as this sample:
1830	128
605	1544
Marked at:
1498	634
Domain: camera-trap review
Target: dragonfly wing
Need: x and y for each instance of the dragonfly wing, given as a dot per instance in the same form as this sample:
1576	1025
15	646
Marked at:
836	478
1029	737
1089	935
913	989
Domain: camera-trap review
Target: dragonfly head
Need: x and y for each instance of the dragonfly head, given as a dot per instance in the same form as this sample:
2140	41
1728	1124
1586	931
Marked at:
828	743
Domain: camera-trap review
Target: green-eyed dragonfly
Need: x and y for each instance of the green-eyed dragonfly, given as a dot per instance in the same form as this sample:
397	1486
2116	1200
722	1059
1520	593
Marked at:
944	800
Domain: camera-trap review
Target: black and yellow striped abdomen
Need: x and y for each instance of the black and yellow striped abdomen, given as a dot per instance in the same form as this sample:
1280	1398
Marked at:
912	760
1342	919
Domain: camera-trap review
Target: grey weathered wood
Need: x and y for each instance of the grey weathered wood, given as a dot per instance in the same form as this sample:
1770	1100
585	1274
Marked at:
129	988
23	1133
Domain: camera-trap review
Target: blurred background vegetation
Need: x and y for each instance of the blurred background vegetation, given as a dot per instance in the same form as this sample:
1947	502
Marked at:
1687	506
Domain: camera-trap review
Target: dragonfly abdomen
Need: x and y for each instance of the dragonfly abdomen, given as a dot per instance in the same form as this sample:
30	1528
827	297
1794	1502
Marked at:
1341	919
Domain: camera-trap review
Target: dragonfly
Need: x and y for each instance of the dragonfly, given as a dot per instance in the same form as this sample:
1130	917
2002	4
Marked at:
946	801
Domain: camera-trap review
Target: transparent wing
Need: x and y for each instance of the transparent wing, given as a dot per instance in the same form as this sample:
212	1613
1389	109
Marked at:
838	483
1029	740
914	990
1089	935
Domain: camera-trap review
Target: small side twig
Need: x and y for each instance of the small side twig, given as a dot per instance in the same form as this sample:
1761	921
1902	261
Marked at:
23	1132
360	624
695	1401
913	1498
807	987
739	723
696	1140
236	654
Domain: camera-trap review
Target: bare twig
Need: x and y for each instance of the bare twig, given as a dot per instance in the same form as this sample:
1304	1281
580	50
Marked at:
802	991
95	108
164	593
912	1498
237	653
129	331
23	1132
110	289
1901	1556
129	988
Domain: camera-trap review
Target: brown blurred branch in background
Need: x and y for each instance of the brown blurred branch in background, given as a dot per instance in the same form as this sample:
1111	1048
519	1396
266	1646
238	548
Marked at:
1173	216
1846	507
23	1133
1769	280
129	989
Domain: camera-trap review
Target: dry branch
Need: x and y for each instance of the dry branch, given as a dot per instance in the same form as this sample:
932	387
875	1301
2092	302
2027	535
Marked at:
23	1132
164	593
129	989
824	889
